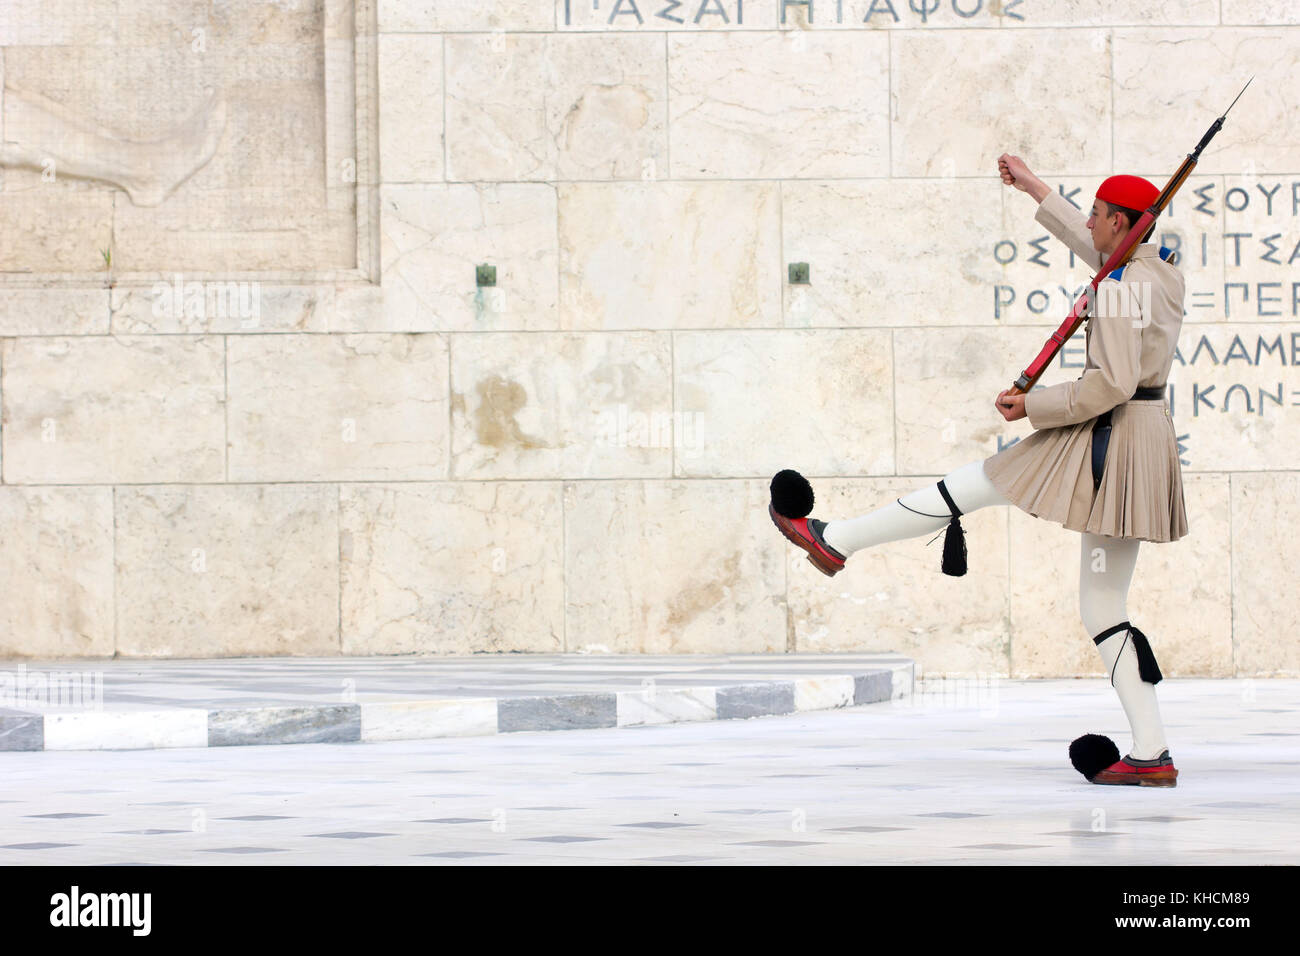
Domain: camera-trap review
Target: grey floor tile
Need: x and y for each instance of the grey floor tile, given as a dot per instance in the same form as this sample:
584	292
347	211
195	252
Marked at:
244	849
658	825
35	846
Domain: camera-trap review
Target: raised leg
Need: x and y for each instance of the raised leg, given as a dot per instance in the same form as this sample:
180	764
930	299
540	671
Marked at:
921	512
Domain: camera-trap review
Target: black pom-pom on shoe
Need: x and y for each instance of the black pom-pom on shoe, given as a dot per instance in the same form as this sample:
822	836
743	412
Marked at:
792	495
1093	753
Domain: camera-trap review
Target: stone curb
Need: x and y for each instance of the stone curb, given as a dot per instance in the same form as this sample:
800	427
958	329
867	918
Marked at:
447	717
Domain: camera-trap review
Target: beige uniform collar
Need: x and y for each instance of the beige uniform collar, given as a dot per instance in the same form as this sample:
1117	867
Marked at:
1147	250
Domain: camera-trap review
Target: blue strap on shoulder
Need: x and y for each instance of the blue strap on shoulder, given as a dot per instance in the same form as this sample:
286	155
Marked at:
1166	255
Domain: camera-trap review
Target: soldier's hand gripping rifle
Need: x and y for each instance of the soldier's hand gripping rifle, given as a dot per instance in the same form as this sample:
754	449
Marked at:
1083	307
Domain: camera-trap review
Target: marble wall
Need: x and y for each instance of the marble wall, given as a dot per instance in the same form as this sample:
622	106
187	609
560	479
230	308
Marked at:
254	400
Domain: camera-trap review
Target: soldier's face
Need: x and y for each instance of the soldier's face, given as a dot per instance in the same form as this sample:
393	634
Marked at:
1105	227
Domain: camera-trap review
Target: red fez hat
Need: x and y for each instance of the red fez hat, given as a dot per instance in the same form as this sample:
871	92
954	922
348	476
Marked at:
1131	192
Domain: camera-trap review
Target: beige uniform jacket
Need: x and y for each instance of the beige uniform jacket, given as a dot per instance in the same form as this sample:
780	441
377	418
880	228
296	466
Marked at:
1126	347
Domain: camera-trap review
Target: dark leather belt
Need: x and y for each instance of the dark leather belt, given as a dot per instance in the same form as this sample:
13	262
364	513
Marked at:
1101	430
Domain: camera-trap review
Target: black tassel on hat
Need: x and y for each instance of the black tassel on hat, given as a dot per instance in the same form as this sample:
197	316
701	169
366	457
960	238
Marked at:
954	542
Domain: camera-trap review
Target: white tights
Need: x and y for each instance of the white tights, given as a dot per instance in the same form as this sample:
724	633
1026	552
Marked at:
1105	571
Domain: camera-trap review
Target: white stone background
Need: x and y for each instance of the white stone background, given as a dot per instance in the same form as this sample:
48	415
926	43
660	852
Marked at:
391	461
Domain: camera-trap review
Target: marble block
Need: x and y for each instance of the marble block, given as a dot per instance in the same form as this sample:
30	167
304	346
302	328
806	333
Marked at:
451	568
666	705
902	681
561	712
313	724
57	23
85	227
227	570
689	17
423	719
1262	130
790	104
339	407
127	730
1112	13
1258	12
646	571
113	409
279	229
435	236
818	402
1260	214
626	262
178	303
1233	395
363	307
431	16
57	569
548	106
53	311
854	15
741	701
564	405
1265	509
1012	91
823	693
21	730
876	687
410	109
868	268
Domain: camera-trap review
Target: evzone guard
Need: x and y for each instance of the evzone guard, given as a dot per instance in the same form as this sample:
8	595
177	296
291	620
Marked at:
1102	461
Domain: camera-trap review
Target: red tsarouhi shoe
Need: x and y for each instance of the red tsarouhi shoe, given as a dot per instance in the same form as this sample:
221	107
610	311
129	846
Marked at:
806	533
1159	772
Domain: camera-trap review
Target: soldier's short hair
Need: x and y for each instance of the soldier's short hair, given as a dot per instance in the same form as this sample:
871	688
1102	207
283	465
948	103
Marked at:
1132	215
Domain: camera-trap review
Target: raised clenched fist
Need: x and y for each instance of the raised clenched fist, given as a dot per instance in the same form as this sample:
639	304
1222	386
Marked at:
1014	172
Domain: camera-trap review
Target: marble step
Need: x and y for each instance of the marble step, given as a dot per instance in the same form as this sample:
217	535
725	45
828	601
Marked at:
132	705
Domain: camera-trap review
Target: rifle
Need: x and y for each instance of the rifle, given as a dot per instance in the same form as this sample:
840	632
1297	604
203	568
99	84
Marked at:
1123	252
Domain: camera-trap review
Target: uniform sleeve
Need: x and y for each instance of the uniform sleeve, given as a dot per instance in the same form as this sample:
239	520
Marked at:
1070	226
1115	347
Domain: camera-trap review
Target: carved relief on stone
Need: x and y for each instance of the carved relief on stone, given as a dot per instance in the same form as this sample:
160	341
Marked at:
43	135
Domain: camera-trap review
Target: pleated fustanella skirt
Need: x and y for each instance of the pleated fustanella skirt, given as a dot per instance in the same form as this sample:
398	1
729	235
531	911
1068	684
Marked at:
1049	475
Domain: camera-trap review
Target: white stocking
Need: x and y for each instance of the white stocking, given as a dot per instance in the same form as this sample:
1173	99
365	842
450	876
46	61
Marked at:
922	512
1105	571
